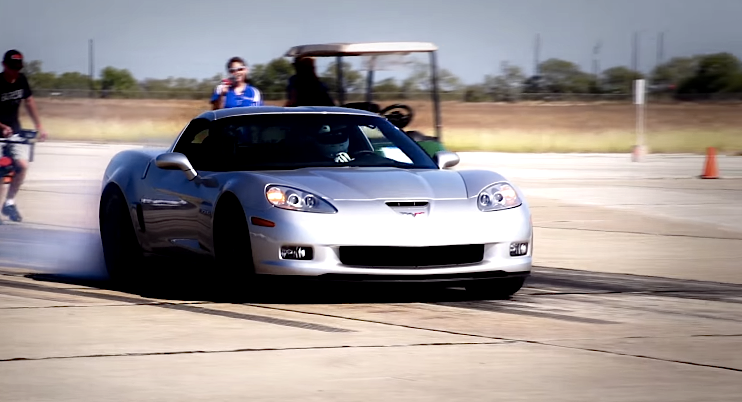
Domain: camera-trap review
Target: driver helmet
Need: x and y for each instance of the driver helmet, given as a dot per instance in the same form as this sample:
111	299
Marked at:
331	142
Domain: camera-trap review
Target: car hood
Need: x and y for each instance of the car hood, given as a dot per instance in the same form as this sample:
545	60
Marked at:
373	183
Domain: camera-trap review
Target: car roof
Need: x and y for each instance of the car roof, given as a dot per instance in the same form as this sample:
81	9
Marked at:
256	110
358	49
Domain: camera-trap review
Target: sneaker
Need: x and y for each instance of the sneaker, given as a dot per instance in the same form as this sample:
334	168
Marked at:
11	212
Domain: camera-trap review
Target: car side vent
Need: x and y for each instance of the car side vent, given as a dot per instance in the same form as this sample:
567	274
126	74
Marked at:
407	203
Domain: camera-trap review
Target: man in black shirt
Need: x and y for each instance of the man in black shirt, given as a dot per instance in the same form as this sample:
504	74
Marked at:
14	88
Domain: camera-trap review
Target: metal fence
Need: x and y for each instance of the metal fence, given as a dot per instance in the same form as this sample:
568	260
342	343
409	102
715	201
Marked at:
186	94
455	96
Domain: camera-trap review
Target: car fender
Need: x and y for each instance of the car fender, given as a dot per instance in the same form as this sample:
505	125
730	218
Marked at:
250	191
478	180
127	170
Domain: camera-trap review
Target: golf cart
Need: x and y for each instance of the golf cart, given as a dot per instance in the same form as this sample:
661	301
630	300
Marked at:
398	114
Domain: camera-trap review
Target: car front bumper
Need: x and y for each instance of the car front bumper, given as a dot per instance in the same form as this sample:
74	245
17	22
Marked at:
449	243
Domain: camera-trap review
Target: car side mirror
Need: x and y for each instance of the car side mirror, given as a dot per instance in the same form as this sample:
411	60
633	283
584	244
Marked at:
446	159
174	161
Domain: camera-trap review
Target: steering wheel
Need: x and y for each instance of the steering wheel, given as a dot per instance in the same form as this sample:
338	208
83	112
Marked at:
401	120
364	152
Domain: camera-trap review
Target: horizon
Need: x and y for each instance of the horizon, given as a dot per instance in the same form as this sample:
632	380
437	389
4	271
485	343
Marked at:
569	31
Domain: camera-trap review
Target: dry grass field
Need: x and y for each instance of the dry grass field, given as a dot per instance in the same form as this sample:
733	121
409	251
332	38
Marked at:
599	127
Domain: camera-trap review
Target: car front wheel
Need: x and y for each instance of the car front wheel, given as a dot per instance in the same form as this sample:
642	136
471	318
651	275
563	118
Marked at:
496	288
121	250
232	247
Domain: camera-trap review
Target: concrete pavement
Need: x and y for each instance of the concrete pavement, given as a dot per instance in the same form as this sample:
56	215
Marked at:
635	297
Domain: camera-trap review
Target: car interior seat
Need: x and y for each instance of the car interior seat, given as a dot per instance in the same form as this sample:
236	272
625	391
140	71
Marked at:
267	145
218	152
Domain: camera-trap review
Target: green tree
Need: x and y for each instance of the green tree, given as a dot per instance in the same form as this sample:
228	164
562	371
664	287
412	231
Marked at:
271	78
476	93
387	89
448	81
72	80
619	79
118	82
674	71
37	78
715	73
206	86
419	78
507	86
354	80
562	76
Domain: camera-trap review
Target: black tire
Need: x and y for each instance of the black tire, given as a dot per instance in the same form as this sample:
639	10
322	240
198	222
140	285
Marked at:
496	288
123	255
232	247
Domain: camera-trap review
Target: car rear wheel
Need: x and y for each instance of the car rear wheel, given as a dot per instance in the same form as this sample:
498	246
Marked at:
496	288
122	252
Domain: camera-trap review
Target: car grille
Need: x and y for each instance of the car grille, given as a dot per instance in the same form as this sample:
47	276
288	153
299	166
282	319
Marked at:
394	204
404	257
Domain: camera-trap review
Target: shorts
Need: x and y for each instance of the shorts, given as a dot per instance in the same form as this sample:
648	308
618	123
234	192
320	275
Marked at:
10	151
14	151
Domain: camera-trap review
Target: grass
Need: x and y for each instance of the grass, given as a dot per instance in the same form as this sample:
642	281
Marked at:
112	130
605	142
605	128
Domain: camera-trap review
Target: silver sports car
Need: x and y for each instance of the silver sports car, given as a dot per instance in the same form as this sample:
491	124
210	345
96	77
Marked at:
314	192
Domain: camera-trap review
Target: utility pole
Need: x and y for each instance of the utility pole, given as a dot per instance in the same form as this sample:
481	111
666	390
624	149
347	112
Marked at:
536	55
90	66
596	64
640	91
596	58
635	53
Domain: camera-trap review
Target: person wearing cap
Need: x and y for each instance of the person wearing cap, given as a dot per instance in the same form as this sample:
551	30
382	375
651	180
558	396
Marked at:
14	88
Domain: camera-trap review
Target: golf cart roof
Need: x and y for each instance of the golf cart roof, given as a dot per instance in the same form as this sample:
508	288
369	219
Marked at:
359	49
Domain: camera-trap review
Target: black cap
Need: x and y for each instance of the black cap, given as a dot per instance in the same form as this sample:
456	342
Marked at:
13	59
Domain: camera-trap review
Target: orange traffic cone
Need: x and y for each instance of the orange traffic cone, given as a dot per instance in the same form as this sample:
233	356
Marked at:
710	170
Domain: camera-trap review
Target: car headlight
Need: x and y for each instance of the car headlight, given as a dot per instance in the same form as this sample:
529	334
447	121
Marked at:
497	197
297	200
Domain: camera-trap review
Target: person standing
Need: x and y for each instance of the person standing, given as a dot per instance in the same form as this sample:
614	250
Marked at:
236	91
305	88
14	89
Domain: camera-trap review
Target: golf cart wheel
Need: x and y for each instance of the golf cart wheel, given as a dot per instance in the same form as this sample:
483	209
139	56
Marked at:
496	288
123	255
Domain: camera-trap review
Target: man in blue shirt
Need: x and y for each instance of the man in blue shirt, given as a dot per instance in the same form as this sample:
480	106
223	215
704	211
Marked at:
235	91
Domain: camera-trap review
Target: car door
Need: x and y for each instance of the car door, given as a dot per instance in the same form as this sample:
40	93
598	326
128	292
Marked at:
177	211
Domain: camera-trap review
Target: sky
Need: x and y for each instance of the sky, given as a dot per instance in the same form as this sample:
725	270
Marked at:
195	38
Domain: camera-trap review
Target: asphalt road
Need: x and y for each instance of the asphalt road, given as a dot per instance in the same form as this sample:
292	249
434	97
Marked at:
635	297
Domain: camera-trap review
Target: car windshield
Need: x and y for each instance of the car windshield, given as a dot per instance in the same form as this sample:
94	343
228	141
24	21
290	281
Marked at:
297	140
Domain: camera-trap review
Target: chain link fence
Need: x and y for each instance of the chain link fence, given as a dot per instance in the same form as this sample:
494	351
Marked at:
453	96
